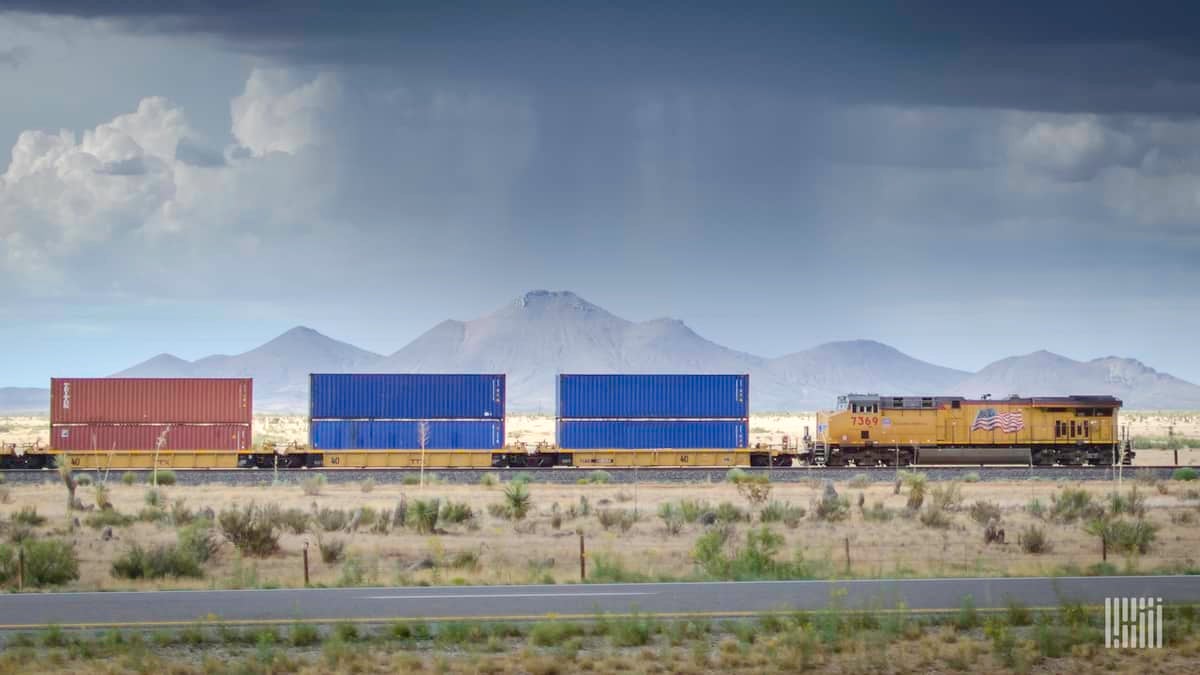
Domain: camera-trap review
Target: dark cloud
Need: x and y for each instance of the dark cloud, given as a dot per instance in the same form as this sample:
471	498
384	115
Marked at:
1066	56
196	154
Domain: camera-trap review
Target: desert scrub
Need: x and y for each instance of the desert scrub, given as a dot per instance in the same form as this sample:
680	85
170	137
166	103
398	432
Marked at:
782	512
672	518
489	480
1185	473
161	477
983	512
1033	540
332	550
755	488
368	486
312	485
155	563
517	501
620	518
129	478
456	512
107	518
250	530
423	515
860	481
28	515
48	562
598	477
331	520
1073	504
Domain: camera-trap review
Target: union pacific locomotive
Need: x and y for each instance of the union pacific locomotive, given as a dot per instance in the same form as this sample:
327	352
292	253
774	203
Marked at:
871	430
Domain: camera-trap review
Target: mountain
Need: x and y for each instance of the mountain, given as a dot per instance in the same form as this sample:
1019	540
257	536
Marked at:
280	368
543	333
23	400
1047	373
819	375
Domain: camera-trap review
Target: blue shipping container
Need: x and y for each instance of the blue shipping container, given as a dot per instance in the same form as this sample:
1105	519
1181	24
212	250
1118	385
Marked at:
406	396
652	434
653	396
404	435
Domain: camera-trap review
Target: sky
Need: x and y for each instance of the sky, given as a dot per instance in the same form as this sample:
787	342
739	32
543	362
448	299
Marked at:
962	183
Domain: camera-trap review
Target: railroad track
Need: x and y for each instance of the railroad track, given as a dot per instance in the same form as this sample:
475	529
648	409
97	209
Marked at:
563	475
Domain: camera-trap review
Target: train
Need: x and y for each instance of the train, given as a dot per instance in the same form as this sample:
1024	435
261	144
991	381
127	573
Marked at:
442	421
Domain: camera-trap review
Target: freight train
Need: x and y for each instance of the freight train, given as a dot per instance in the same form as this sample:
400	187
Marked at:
358	421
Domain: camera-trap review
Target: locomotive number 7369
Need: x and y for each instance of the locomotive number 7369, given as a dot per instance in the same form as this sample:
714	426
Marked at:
864	421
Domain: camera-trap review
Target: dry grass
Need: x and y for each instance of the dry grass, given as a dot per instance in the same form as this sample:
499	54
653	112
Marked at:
535	550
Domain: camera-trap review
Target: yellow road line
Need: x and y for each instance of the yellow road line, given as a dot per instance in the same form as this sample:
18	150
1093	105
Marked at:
508	617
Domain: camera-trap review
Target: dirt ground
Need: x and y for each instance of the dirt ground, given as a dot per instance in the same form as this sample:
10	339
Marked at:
538	550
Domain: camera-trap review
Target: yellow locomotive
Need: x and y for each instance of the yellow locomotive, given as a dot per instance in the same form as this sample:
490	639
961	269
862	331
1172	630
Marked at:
872	430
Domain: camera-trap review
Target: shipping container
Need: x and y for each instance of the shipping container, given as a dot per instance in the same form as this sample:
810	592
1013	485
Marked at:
406	396
151	400
652	434
109	437
405	435
653	396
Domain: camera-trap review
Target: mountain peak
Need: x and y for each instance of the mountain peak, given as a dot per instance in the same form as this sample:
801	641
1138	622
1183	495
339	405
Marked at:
542	304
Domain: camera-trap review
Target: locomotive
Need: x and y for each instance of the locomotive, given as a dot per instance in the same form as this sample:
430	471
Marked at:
874	430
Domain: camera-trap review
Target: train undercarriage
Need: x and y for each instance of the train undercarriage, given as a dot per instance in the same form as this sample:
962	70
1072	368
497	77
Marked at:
1045	455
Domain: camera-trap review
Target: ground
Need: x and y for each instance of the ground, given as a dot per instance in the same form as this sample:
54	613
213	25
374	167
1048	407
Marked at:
490	549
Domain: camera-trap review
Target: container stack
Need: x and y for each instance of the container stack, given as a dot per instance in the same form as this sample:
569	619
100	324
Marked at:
394	411
111	414
653	411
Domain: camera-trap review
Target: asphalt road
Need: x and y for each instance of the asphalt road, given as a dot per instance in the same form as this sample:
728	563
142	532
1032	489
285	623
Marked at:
92	610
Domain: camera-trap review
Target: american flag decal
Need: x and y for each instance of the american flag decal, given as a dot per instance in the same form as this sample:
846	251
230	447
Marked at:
989	419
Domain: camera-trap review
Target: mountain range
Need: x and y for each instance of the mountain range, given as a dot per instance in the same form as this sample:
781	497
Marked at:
543	333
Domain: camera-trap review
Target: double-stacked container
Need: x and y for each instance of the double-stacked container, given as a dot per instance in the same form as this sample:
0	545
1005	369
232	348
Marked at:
406	412
653	411
115	414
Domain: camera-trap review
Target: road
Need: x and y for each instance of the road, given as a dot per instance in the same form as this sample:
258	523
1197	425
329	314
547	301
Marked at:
730	599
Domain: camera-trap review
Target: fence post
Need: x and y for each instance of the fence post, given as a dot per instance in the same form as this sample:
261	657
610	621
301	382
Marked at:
847	540
21	568
306	563
582	560
1104	548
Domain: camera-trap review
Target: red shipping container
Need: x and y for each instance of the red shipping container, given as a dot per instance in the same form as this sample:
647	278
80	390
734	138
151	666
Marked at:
108	437
151	400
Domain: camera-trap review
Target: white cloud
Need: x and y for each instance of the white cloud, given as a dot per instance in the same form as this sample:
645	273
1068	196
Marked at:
275	114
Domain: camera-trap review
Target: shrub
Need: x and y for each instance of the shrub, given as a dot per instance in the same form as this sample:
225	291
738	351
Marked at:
831	509
946	497
522	477
332	550
610	518
28	515
1185	473
553	633
153	498
784	512
83	480
984	512
488	480
101	496
585	507
400	513
1033	540
599	477
728	513
860	480
304	635
332	520
181	514
107	518
916	483
196	540
456	512
161	477
368	485
971	477
1073	504
129	478
48	562
735	475
364	518
878	513
423	515
155	563
755	560
293	520
354	573
1123	536
692	509
517	500
313	485
671	517
1035	508
249	530
1134	504
934	517
754	488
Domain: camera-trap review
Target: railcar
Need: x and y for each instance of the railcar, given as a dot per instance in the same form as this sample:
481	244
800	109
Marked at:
874	430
